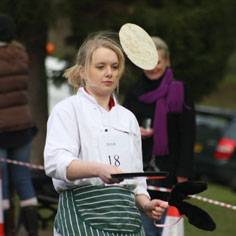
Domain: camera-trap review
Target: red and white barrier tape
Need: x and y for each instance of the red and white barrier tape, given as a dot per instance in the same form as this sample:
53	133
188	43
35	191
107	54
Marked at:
198	197
159	189
150	187
213	202
20	163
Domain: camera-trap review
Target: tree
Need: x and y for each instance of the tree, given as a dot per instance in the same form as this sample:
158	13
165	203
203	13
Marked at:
201	34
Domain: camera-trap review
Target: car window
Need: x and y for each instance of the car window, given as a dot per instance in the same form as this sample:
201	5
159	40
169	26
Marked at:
231	130
212	121
210	126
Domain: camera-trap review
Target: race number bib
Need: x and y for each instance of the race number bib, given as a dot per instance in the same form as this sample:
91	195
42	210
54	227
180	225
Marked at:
115	147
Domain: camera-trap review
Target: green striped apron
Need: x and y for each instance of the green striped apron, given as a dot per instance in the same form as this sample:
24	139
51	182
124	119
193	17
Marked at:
98	210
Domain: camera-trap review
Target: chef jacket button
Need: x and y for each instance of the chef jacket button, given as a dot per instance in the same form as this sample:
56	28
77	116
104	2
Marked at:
106	130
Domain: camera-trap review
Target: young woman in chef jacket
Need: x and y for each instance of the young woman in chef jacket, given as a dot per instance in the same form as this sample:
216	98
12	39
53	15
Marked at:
89	138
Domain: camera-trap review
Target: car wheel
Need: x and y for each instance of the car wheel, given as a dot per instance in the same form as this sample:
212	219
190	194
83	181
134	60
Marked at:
204	177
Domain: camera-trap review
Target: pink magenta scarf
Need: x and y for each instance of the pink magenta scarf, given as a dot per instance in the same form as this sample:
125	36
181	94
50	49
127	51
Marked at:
169	97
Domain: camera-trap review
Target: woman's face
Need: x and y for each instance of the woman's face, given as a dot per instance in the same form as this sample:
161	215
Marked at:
160	68
103	73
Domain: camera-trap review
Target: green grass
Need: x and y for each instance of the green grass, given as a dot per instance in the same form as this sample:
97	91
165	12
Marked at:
225	218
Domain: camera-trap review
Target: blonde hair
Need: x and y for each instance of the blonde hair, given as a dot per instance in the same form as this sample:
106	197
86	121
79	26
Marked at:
85	53
161	45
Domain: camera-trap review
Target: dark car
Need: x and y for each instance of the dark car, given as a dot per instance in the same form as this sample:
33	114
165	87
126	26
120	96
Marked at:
215	147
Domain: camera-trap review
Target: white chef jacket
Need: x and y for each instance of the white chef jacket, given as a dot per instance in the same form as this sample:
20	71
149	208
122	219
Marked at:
79	128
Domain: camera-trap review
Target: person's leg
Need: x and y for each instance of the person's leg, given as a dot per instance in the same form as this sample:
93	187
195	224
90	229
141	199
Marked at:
8	214
21	178
5	179
149	227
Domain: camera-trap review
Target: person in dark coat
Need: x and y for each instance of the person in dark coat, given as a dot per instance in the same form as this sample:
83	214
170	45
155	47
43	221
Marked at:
166	116
17	128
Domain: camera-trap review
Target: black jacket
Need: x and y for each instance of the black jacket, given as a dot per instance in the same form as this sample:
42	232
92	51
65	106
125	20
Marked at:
181	132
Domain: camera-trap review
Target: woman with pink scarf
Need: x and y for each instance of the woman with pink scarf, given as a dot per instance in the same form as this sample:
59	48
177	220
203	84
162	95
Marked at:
165	105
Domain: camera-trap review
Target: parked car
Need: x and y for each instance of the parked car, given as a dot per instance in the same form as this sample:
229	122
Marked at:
215	147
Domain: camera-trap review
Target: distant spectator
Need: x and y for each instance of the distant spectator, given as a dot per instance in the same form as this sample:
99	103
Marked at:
166	117
17	128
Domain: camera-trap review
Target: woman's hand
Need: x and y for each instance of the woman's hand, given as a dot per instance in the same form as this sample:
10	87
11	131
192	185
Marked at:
105	172
146	133
155	208
152	208
181	179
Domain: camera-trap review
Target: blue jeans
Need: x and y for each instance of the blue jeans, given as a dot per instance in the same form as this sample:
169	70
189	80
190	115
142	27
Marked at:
20	176
149	227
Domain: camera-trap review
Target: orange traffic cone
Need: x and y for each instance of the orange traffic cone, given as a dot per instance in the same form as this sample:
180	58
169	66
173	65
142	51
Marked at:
174	222
1	209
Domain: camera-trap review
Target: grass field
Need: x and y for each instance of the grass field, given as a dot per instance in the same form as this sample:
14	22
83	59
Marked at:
225	218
